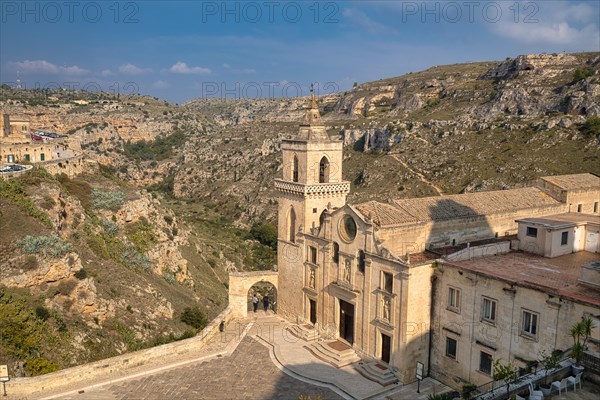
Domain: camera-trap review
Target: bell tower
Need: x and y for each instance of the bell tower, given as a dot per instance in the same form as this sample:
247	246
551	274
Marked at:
312	182
312	176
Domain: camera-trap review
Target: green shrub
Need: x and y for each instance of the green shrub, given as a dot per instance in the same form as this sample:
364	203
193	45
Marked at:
141	234
81	274
110	228
266	234
591	127
40	365
14	192
159	149
194	317
581	73
47	245
108	200
42	313
132	258
168	275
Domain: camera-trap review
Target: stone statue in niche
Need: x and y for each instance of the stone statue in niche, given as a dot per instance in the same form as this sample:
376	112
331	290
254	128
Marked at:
347	271
386	309
311	278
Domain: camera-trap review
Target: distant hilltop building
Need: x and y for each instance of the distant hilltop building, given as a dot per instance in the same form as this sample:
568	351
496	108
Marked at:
15	129
19	145
451	282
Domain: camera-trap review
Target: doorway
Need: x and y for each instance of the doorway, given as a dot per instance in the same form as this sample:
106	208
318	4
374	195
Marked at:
386	348
312	309
347	321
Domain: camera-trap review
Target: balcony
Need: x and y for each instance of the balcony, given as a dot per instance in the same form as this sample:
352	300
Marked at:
313	189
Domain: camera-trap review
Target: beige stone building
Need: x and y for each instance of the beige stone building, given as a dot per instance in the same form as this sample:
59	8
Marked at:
16	144
374	278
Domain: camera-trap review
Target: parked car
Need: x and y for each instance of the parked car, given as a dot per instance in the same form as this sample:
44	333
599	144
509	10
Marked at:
6	168
16	168
36	138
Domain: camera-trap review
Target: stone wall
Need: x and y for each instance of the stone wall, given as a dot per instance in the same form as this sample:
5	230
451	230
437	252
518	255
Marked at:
103	370
239	285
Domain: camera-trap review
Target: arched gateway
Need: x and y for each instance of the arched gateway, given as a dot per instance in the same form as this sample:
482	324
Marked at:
239	285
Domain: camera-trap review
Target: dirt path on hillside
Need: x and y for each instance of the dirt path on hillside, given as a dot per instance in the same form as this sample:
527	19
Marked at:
420	175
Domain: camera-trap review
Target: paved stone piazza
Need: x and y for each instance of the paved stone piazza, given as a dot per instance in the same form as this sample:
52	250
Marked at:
264	362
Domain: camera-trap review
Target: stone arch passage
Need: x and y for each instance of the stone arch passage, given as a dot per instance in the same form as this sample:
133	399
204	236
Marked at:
240	284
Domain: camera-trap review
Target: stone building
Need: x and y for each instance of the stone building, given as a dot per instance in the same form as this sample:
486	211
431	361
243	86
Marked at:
372	279
16	144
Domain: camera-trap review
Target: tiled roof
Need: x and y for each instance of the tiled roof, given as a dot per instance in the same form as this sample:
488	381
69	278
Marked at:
558	275
404	211
385	214
574	181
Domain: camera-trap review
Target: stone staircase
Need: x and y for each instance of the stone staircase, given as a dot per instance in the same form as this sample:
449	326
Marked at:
377	372
306	332
334	352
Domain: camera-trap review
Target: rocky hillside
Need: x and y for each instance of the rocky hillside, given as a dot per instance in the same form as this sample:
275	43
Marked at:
107	262
94	267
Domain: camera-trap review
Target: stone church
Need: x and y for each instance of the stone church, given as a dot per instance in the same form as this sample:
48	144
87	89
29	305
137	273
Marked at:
385	280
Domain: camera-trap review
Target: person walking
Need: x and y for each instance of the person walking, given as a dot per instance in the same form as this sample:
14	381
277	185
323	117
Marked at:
266	303
255	302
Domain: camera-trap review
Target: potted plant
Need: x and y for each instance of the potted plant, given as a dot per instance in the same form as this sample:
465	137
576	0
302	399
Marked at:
468	390
580	332
505	372
550	362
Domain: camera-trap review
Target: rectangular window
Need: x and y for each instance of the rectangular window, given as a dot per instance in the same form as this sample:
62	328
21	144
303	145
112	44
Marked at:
361	261
312	254
451	348
485	363
564	238
530	323
336	253
488	312
453	298
531	231
579	207
388	282
595	207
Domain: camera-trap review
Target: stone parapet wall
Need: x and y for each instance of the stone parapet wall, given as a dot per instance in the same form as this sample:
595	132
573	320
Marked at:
111	368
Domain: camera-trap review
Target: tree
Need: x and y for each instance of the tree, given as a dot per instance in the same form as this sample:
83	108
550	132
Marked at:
549	361
591	127
265	234
194	317
505	372
580	332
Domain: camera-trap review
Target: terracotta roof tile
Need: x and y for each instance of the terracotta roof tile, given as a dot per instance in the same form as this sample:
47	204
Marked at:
574	181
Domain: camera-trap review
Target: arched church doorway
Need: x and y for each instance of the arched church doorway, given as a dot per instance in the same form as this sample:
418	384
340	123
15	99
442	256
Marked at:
262	296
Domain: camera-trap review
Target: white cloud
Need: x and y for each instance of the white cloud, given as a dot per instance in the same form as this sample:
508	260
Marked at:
362	20
131	69
569	24
161	85
226	66
182	68
106	72
43	66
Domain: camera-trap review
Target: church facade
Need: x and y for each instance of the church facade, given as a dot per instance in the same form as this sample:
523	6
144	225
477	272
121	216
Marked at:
370	274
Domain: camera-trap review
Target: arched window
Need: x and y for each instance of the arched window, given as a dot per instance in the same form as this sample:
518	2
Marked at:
336	253
291	226
324	170
295	169
361	261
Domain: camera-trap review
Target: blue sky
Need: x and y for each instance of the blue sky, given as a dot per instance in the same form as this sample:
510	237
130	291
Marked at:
180	50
